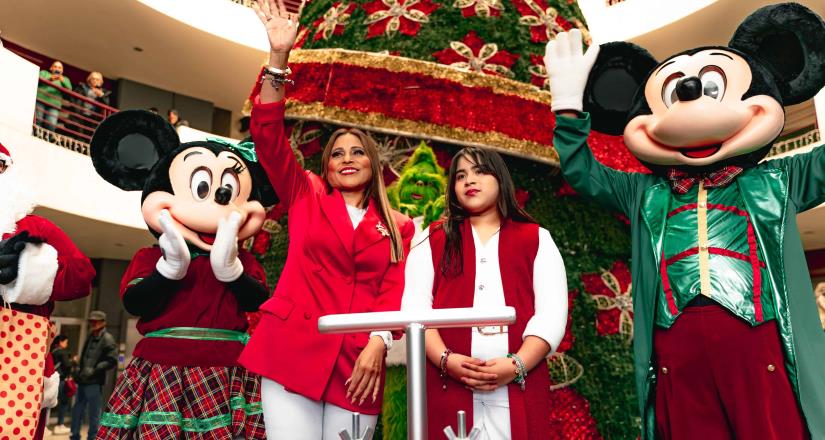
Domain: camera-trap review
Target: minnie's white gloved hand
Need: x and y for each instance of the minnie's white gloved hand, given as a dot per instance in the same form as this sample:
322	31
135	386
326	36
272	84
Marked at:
224	256
176	258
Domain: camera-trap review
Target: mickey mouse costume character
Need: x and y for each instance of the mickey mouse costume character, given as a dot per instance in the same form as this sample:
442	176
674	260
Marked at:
39	265
728	343
191	291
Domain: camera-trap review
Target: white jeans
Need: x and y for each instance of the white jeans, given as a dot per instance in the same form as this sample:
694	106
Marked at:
493	418
290	416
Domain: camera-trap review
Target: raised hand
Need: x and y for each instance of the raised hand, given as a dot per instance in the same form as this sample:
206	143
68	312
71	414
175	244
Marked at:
568	69
176	258
224	255
281	25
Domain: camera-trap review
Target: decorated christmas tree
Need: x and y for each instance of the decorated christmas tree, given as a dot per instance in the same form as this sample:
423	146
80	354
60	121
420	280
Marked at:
470	72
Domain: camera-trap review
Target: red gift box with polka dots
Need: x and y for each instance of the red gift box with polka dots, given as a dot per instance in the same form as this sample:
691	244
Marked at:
23	343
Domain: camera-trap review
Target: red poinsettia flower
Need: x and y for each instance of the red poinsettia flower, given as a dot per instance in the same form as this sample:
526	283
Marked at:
566	190
252	318
481	8
522	197
391	16
333	21
261	242
538	72
611	290
544	21
474	54
570	416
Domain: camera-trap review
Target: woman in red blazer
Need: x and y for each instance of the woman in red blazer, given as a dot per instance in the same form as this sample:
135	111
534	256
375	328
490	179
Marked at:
346	253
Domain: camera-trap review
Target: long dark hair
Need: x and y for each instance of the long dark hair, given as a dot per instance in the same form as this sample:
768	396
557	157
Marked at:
488	162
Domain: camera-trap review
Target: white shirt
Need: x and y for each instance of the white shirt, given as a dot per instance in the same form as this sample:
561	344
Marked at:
549	290
355	216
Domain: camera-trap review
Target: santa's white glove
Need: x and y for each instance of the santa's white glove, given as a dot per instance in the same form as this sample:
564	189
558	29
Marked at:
568	69
51	386
175	260
224	256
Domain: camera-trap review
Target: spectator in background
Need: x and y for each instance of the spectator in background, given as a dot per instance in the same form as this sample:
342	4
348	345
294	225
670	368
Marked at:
63	364
99	355
49	98
93	90
175	120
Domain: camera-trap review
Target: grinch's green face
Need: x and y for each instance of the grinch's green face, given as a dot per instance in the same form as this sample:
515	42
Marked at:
418	189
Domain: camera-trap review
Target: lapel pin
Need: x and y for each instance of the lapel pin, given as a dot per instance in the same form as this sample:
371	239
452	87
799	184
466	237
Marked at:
382	229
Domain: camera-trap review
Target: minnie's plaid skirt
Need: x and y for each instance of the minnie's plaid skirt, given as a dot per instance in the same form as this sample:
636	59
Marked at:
155	402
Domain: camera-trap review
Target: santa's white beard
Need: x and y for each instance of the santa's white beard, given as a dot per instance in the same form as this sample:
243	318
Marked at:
15	201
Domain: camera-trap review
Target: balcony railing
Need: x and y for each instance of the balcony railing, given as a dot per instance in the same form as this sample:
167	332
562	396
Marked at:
803	140
67	118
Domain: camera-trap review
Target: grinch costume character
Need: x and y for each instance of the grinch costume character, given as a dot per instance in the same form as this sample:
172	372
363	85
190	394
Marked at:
419	190
727	339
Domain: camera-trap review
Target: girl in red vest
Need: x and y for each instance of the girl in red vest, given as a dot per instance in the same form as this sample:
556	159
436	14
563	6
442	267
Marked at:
488	252
346	255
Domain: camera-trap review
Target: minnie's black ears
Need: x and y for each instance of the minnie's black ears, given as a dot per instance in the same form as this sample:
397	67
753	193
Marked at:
790	39
127	145
619	71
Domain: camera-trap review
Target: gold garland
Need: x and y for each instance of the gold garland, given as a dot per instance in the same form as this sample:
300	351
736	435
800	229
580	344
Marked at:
397	64
402	127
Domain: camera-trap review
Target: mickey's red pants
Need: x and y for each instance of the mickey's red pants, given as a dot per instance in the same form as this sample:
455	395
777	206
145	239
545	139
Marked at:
720	378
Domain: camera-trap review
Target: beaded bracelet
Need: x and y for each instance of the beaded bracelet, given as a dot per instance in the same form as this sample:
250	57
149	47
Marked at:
443	367
521	370
277	77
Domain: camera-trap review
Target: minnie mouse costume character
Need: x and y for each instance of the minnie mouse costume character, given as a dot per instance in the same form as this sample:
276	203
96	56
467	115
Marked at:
728	342
39	265
191	291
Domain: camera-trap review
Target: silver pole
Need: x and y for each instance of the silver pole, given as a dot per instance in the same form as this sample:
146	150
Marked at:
416	383
462	424
356	424
414	322
436	318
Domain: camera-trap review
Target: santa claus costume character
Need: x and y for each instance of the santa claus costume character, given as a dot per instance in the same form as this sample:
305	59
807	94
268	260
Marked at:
347	250
39	265
486	253
192	290
727	341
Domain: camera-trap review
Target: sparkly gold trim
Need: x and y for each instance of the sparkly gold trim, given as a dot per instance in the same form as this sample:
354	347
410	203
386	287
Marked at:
402	127
397	64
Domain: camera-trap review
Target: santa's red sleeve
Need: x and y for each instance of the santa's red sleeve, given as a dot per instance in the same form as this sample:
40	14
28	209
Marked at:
53	270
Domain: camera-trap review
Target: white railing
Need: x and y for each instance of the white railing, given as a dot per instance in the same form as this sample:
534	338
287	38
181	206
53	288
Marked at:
803	140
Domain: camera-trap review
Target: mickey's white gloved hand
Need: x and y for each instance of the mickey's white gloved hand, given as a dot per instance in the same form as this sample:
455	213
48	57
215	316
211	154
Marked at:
175	260
568	69
224	256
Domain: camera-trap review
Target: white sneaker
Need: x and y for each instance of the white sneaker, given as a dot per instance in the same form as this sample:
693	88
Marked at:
60	430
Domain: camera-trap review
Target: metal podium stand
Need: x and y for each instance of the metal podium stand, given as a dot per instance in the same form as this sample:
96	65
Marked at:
414	322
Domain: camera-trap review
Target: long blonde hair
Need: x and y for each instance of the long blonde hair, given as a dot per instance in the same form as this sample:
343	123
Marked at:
375	191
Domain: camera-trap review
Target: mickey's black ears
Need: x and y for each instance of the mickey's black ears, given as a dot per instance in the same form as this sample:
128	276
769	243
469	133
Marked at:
619	71
790	39
127	145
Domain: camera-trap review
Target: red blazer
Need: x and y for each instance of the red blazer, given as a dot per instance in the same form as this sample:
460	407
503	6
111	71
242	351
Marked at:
330	269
